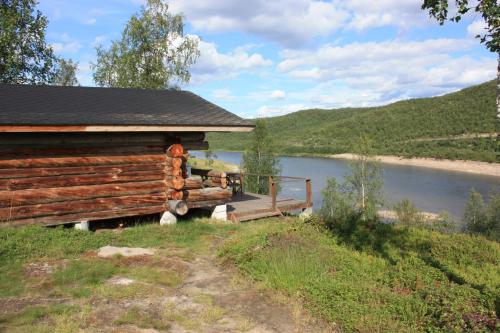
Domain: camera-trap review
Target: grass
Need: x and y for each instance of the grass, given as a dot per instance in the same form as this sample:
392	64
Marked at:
394	128
38	318
384	279
409	280
33	243
143	319
201	163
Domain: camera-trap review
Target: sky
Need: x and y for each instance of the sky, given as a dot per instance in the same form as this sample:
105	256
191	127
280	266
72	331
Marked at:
266	58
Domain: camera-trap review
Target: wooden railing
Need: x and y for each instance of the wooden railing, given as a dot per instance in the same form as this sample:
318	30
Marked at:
273	191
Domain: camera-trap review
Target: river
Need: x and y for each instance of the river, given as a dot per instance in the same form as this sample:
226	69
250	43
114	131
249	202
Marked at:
431	190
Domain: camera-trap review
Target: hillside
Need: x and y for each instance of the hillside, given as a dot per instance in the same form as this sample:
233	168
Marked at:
442	127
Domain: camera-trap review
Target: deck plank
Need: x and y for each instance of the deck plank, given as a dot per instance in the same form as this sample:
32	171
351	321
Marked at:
253	206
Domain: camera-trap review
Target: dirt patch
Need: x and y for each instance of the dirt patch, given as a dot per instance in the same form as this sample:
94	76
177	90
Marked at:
43	268
210	297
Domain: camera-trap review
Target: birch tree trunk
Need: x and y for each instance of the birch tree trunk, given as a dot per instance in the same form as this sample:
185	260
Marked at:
498	92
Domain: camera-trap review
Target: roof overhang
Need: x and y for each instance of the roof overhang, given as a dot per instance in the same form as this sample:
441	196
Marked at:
121	128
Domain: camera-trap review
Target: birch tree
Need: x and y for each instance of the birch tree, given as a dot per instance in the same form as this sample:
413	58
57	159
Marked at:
153	52
365	180
25	57
260	160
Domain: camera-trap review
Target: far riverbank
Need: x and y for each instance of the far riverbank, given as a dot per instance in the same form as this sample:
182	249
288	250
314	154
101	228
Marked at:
473	167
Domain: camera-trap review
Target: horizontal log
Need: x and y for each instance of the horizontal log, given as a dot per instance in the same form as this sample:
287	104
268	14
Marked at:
173	172
201	145
88	216
207	194
178	207
174	194
10	152
59	139
175	150
174	162
62	194
81	161
59	171
206	204
79	180
189	136
193	183
176	182
216	174
81	206
222	183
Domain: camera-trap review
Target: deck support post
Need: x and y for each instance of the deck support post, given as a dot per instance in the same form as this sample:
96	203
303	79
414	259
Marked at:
83	225
273	193
308	193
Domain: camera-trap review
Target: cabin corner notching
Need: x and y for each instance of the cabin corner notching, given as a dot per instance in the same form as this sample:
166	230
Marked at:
54	170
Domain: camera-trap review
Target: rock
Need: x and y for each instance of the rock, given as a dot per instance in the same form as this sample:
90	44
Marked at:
168	218
306	213
220	213
121	281
84	225
110	251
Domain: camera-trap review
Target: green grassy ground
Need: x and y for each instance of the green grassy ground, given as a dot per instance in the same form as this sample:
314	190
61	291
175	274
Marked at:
391	280
202	163
402	280
391	127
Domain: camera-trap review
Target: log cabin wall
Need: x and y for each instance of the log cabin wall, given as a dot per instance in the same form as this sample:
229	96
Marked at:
56	178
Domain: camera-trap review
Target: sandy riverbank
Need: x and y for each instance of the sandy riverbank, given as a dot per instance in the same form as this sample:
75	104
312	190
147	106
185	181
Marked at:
474	167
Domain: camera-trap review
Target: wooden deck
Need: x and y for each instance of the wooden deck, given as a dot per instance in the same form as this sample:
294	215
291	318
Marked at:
251	206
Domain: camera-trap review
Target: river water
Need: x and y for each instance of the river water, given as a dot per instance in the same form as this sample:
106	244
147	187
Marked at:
431	190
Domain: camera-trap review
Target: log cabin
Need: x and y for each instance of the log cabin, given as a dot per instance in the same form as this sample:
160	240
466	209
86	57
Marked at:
75	154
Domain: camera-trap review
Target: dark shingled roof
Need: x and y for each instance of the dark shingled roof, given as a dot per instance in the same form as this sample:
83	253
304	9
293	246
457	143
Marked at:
50	105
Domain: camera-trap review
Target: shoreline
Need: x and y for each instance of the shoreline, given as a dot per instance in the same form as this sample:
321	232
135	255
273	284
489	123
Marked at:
472	167
465	166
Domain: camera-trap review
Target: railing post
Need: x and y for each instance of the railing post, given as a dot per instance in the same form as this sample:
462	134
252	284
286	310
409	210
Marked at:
308	193
269	182
273	194
242	176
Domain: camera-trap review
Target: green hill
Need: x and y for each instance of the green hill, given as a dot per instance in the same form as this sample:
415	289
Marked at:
442	127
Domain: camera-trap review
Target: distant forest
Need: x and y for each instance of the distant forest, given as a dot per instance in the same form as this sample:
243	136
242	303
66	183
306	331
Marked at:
440	127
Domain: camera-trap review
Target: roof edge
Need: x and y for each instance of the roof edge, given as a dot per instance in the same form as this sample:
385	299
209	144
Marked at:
122	128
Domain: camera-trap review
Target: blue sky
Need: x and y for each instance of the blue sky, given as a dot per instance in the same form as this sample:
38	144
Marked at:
265	58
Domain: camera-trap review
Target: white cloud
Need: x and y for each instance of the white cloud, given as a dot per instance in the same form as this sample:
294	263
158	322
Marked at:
363	74
65	44
99	40
272	111
477	27
294	23
288	22
214	65
369	14
89	21
277	94
223	94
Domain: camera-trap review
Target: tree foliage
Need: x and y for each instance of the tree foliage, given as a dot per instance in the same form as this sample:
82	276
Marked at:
66	73
365	181
359	197
488	9
415	127
483	219
153	52
259	160
25	57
